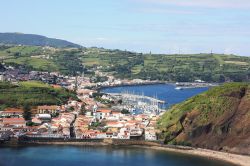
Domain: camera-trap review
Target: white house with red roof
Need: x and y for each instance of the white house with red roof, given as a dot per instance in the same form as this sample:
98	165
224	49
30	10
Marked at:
103	113
15	122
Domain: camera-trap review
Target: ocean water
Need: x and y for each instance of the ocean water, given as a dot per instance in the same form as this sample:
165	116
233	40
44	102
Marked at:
165	92
97	156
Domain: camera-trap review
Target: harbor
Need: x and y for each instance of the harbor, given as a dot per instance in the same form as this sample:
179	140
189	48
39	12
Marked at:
138	103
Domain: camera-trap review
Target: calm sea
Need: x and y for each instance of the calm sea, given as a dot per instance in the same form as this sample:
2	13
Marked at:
166	92
97	156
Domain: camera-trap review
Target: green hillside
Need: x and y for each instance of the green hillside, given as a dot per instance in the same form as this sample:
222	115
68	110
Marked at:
217	119
64	60
208	67
34	40
32	93
125	64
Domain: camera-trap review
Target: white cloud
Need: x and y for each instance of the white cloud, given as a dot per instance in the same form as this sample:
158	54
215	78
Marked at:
242	4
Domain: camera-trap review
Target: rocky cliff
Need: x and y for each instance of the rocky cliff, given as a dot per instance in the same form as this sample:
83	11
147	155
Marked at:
218	119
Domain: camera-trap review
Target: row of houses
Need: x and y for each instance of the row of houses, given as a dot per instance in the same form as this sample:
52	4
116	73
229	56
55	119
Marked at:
18	112
113	124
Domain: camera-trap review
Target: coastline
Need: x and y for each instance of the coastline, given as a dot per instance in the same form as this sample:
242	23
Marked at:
234	159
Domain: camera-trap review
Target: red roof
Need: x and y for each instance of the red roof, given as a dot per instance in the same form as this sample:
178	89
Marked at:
13	110
11	121
104	111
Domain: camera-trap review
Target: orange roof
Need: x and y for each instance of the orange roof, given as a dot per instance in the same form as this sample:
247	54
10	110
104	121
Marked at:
13	110
116	112
13	120
56	86
132	121
47	107
104	110
114	122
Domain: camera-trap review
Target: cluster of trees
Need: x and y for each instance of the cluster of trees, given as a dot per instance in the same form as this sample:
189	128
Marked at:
69	62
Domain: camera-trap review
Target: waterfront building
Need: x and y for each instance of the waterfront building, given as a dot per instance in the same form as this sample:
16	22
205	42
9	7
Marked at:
150	134
124	133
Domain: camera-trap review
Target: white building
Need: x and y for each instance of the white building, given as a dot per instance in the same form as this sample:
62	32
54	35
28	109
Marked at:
102	113
150	134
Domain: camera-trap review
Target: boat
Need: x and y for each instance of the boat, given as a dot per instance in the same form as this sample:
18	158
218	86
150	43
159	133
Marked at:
179	88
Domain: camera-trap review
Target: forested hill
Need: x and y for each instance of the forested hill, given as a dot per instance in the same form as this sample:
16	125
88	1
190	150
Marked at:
33	40
217	119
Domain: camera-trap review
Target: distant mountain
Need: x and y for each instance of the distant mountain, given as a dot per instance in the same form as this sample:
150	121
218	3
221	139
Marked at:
218	119
34	40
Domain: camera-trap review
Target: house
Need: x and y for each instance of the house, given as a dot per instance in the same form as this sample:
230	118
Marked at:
136	131
113	135
36	121
45	109
44	117
124	133
116	115
6	128
103	113
101	135
114	124
16	122
12	112
89	134
150	134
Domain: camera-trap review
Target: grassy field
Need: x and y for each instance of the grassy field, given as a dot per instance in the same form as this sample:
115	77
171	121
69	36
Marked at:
32	93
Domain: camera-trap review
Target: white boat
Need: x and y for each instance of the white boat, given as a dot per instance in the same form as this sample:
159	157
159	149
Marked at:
178	88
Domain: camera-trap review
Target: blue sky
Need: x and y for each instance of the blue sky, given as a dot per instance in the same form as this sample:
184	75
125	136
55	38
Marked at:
160	26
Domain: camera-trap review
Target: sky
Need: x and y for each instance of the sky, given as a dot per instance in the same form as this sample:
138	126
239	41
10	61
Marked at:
159	26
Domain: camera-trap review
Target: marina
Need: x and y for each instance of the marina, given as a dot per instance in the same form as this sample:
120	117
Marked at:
136	103
161	95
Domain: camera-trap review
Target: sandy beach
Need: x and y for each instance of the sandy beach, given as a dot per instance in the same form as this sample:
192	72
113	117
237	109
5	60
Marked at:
240	160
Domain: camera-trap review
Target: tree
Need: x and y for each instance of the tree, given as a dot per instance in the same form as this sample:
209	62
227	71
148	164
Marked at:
124	111
27	112
119	101
83	109
17	54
